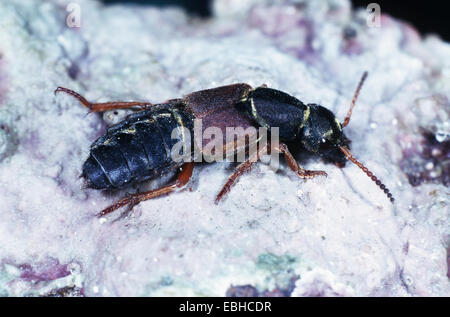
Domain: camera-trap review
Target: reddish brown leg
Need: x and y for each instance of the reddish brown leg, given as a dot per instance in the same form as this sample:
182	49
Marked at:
134	199
293	165
240	170
105	106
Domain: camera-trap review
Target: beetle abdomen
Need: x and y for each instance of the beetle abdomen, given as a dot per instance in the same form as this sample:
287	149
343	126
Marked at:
135	149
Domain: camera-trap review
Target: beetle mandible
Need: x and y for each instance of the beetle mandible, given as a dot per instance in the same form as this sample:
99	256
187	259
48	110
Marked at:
138	148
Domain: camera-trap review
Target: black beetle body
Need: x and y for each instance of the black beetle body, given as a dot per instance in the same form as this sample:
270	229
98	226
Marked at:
139	148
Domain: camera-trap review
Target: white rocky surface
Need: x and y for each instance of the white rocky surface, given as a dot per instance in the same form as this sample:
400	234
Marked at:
335	236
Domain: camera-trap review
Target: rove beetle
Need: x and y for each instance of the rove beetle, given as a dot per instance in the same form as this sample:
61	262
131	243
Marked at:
138	148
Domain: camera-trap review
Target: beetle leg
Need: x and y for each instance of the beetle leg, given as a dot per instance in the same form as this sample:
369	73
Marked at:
240	170
134	199
293	165
105	106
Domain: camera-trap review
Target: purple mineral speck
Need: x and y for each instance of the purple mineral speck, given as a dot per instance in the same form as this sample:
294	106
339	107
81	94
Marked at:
31	142
49	270
291	31
429	162
242	291
350	44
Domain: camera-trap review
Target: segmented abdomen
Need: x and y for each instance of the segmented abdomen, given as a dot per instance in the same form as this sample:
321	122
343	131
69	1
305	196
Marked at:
137	148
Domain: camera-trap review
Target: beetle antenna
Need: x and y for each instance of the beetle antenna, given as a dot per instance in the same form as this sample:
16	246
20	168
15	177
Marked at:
355	96
349	156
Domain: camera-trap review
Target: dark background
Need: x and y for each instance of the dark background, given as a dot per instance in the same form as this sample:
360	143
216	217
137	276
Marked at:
429	16
195	7
426	16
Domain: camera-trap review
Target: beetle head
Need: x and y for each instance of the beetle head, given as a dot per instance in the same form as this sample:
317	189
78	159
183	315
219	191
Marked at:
322	134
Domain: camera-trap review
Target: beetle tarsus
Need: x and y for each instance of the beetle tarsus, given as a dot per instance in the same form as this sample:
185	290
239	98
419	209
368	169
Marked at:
293	165
123	202
134	199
